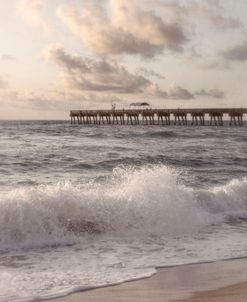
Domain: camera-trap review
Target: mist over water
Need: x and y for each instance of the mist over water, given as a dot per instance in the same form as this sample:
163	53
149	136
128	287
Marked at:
85	206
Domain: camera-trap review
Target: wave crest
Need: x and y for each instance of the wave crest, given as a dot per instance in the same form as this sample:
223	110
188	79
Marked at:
147	201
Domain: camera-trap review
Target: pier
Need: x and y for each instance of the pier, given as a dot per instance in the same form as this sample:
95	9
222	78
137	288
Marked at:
181	117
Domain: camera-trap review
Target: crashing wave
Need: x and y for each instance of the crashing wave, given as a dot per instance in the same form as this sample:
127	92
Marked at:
147	201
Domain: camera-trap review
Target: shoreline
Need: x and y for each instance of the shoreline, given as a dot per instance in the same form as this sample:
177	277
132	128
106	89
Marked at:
212	281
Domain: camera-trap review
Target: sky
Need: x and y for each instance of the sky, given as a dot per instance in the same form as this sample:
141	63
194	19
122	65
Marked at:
59	55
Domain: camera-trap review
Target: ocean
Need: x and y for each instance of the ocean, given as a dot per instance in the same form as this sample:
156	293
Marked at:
84	206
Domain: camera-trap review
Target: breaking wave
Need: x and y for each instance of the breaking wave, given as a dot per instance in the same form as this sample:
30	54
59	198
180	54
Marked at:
147	201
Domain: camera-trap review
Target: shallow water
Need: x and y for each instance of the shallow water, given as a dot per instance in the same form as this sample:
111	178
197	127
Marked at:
85	206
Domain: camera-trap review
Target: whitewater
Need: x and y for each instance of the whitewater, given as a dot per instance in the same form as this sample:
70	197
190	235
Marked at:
89	206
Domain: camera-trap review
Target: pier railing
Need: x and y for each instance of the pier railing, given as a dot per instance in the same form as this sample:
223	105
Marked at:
159	116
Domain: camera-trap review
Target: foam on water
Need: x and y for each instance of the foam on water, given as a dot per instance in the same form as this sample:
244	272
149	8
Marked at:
144	202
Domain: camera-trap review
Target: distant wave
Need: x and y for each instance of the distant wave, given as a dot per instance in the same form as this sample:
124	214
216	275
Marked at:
160	134
184	133
98	135
82	166
147	201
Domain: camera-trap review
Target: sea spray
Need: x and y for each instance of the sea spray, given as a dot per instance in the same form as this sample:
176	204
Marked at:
144	202
229	200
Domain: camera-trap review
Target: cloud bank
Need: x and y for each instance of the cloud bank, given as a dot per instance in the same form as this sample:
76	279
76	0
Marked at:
105	76
206	11
121	28
213	93
94	75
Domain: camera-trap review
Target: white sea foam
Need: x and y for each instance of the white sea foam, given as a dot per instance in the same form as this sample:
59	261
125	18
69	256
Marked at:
229	199
147	202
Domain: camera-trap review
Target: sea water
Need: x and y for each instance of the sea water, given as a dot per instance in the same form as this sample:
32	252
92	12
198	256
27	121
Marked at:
89	206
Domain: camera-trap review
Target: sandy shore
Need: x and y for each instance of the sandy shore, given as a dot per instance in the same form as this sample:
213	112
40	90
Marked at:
234	293
222	281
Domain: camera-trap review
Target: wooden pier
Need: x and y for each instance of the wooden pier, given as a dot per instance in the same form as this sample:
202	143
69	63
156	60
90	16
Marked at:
159	116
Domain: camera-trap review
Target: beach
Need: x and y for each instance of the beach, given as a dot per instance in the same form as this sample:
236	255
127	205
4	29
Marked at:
235	292
221	281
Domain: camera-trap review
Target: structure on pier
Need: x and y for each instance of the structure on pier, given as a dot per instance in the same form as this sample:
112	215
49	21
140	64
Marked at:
159	116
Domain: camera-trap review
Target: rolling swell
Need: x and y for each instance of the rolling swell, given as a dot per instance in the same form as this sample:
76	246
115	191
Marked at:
143	202
160	134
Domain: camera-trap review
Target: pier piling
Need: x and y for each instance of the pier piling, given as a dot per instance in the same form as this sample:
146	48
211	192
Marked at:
216	118
118	118
105	118
148	117
180	118
236	118
164	117
198	118
132	118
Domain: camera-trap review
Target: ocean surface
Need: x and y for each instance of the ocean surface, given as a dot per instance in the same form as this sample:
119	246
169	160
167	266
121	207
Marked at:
88	206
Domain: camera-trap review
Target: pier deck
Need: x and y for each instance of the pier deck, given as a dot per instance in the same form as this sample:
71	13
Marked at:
159	116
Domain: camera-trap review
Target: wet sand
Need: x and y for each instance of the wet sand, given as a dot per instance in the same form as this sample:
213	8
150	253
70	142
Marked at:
222	281
234	293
